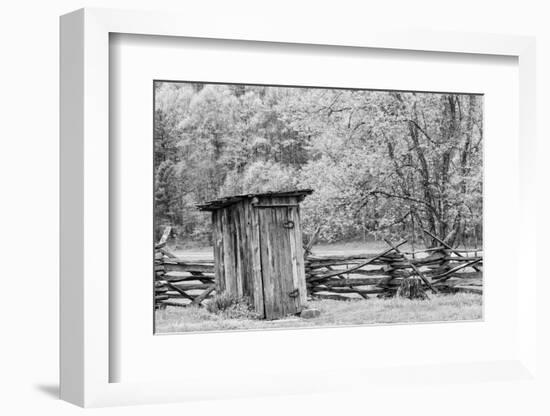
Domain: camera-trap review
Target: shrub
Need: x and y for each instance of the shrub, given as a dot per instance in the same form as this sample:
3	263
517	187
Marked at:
220	302
231	307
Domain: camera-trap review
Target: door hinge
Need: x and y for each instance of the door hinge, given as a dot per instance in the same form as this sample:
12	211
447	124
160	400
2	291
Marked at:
294	293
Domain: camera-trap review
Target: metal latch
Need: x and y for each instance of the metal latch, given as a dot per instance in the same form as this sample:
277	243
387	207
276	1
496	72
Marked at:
288	224
294	293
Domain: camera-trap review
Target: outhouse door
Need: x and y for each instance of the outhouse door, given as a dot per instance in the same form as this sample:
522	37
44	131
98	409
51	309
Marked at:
281	259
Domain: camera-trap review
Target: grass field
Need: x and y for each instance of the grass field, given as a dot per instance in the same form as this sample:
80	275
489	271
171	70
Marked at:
323	249
458	307
351	247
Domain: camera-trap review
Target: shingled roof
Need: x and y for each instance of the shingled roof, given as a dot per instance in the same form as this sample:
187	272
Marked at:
230	200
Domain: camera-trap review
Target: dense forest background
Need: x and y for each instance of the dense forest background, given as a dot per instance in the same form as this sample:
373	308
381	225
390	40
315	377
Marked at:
380	162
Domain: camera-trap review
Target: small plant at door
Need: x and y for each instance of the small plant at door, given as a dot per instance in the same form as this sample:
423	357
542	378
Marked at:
230	306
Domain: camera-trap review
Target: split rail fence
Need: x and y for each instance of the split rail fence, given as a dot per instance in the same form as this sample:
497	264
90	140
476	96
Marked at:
443	269
179	282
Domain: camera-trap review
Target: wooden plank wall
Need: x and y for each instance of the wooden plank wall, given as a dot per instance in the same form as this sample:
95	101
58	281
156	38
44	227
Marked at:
281	257
237	254
254	265
217	234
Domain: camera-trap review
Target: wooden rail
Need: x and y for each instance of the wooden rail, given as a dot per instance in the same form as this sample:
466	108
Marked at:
336	277
179	282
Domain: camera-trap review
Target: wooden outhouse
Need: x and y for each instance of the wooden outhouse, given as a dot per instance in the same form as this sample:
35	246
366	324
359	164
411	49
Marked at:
258	250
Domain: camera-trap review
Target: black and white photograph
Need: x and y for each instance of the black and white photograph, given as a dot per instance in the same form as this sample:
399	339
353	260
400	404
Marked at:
287	208
290	206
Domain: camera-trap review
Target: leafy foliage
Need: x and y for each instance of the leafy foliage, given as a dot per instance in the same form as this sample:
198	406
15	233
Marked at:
231	307
379	162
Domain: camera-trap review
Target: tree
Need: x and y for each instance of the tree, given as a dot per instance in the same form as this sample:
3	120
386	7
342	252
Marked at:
379	162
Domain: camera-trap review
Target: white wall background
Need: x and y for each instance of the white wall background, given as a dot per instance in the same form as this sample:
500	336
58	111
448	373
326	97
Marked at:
29	203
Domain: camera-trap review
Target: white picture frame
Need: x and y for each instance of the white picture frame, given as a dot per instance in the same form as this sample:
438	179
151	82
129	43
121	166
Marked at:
85	353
